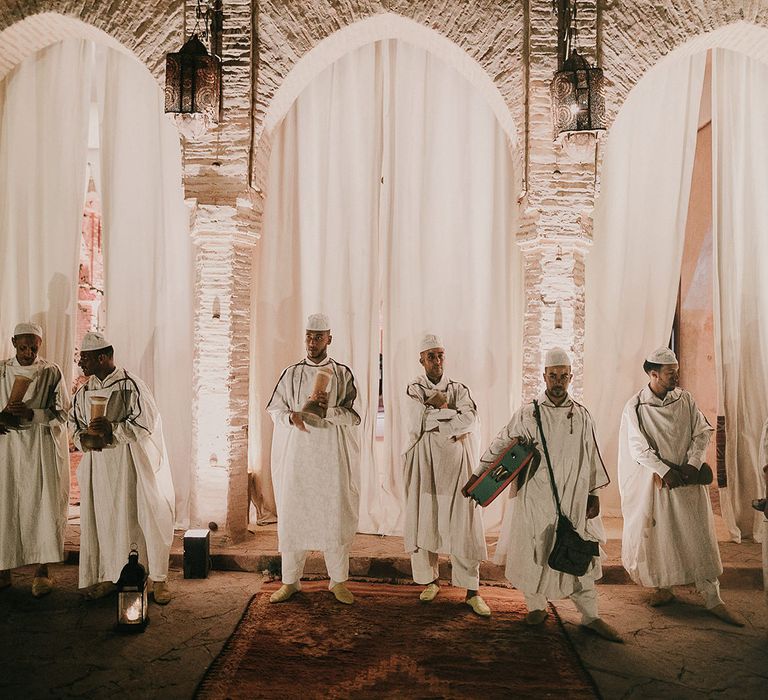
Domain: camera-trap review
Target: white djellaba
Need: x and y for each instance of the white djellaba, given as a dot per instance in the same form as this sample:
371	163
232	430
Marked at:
34	465
126	489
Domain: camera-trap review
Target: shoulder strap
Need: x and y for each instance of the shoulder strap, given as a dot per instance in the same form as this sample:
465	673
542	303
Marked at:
651	442
537	416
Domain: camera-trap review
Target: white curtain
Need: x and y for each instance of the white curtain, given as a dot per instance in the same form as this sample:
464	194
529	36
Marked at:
740	225
44	107
148	276
450	257
633	270
390	200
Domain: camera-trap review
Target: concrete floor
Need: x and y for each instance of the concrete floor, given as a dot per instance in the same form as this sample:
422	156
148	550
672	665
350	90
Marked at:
62	646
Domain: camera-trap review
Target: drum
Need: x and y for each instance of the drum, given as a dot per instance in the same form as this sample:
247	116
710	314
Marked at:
511	464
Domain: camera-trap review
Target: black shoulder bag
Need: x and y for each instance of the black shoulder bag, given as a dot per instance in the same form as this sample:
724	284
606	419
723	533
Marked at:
571	554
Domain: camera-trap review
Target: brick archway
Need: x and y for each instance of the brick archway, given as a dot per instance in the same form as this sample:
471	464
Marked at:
145	37
366	31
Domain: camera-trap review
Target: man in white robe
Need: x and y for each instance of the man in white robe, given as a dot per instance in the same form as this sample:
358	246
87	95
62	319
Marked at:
669	533
528	530
126	490
315	462
440	456
34	462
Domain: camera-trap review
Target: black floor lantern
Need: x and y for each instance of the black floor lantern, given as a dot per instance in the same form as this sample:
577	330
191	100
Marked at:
132	609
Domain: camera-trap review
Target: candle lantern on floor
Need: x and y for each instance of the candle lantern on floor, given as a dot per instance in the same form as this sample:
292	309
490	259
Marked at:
132	610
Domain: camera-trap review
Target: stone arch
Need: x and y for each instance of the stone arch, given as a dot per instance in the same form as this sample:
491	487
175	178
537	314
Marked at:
387	25
132	30
742	37
639	37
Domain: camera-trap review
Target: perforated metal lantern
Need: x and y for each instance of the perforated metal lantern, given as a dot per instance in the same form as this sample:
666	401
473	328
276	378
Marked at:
132	607
578	103
193	88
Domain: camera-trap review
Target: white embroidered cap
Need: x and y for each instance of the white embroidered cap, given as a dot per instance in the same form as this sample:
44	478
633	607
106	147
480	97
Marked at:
662	356
28	329
318	322
556	357
429	341
94	341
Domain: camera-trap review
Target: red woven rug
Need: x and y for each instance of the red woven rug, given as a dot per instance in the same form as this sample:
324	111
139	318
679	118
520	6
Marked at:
390	645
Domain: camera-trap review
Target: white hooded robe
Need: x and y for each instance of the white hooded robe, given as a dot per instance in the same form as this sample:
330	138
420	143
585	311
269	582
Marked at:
669	534
34	469
438	518
315	474
528	531
126	489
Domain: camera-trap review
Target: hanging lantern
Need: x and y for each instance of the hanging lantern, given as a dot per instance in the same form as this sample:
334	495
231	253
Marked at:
132	610
577	91
578	106
193	88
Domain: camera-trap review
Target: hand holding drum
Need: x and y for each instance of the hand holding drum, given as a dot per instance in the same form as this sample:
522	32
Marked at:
14	411
94	438
317	404
19	388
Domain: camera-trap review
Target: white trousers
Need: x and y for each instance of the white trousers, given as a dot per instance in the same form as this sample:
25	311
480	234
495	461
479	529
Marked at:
336	561
584	598
465	573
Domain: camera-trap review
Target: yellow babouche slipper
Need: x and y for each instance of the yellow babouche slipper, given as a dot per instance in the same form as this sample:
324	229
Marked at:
536	617
478	605
42	585
343	594
285	592
161	593
100	590
661	596
429	593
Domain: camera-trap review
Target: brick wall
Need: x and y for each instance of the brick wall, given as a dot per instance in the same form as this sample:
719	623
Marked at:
513	43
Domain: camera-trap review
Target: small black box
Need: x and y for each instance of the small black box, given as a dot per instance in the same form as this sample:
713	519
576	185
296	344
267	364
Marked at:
197	553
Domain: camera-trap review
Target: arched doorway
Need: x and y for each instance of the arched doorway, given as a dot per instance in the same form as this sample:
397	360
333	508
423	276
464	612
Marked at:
652	193
45	110
391	205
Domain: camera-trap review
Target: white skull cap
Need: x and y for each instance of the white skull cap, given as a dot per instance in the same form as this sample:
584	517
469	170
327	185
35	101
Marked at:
28	329
662	356
556	357
318	322
429	341
94	341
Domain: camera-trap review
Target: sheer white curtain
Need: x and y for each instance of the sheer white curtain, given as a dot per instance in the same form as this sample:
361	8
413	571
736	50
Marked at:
740	225
451	260
147	252
44	106
633	270
318	249
390	197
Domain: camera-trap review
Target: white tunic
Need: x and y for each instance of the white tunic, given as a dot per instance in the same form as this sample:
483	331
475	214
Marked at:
669	534
34	469
126	491
315	474
763	461
438	518
528	530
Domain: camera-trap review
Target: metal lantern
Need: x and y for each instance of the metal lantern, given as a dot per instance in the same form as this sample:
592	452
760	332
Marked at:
132	609
578	106
193	88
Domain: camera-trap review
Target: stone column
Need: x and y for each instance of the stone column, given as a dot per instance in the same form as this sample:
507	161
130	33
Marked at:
218	183
556	210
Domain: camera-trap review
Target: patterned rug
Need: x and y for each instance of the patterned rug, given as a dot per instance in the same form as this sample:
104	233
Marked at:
390	645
